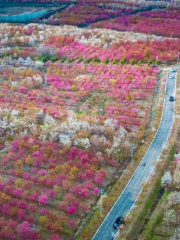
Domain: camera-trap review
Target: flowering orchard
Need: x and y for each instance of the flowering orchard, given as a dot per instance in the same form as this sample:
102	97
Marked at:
162	23
170	13
72	101
42	42
84	102
77	15
48	187
119	52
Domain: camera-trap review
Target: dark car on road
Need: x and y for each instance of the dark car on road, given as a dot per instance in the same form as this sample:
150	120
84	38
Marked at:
171	99
119	221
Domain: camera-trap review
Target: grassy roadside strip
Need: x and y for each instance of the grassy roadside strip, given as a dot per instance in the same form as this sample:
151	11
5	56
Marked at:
154	220
94	220
139	214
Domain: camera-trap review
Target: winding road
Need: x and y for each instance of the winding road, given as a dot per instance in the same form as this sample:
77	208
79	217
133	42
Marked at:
145	168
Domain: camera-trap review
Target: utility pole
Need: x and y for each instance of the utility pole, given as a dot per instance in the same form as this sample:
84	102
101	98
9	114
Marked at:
152	118
132	153
164	63
101	191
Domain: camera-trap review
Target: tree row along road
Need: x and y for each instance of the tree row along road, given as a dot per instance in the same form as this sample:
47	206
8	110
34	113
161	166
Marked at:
134	187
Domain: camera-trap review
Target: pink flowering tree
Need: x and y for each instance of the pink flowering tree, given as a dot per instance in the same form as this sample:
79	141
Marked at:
25	232
43	199
55	237
71	210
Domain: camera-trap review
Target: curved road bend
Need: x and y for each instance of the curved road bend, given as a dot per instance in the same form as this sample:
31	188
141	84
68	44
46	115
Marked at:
133	188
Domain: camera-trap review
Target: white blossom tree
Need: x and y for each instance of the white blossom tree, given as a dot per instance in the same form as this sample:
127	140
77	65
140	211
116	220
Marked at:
166	179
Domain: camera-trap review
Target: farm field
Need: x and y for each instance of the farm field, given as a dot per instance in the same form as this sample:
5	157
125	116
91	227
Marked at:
72	102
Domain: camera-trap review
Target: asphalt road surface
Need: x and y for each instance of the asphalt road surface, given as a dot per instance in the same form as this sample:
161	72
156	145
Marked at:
130	193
